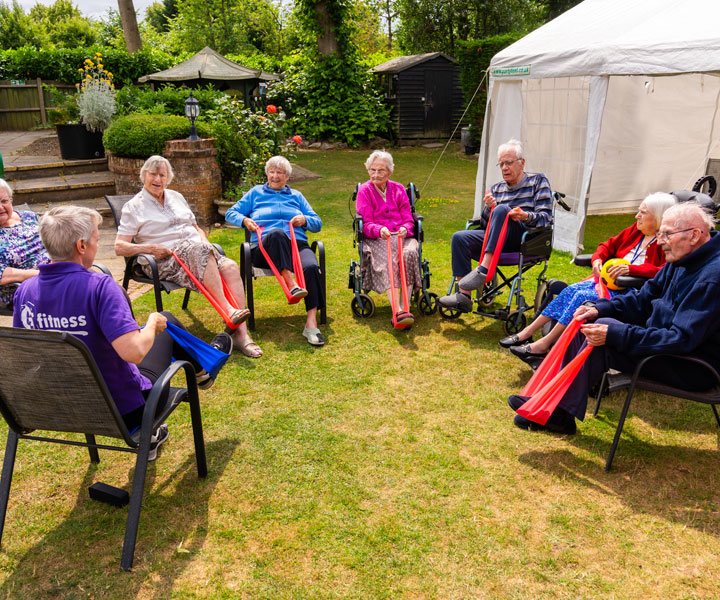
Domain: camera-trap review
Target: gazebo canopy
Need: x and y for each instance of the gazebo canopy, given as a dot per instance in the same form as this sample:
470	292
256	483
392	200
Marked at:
208	64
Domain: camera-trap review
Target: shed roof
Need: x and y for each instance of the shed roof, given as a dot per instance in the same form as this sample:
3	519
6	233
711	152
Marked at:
208	64
401	63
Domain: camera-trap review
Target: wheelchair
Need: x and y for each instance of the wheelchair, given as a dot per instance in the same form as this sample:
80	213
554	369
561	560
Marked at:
535	249
362	305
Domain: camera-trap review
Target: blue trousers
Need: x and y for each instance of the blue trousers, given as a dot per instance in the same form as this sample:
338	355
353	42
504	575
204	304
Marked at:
467	244
693	377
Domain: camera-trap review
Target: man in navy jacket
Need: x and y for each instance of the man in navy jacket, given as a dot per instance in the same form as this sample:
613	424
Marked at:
676	312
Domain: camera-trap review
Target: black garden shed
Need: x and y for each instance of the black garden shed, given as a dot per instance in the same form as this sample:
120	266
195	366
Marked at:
424	93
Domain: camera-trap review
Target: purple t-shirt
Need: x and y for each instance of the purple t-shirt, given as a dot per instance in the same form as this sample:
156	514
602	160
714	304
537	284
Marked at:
92	307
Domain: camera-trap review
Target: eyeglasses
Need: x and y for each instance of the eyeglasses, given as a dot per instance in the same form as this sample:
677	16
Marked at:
507	163
664	235
377	171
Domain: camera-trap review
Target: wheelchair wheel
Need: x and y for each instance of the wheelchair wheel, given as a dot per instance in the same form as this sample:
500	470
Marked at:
448	313
364	307
515	322
484	298
425	307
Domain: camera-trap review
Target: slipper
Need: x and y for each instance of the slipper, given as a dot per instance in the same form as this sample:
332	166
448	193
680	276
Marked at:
249	348
239	315
404	318
298	292
313	336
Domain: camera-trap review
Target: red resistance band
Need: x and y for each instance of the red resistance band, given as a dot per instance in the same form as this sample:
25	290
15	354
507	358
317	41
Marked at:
403	277
549	383
498	247
297	265
208	294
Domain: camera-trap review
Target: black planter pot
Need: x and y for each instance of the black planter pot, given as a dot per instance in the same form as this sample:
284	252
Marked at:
77	143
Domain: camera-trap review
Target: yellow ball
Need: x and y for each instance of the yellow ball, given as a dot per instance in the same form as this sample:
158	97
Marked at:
607	280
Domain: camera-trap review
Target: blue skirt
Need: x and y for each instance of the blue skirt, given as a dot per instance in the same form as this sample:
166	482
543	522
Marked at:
564	305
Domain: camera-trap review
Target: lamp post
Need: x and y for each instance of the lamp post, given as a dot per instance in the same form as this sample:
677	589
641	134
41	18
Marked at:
192	111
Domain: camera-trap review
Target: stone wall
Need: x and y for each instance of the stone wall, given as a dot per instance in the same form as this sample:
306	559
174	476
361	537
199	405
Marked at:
197	175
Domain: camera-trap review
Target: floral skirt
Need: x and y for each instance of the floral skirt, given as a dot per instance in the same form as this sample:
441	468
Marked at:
564	305
195	255
375	264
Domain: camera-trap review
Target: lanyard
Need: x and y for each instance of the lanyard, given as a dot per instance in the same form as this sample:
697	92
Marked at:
638	248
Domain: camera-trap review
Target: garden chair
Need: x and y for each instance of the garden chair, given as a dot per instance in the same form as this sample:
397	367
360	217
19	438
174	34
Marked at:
52	383
249	273
612	381
133	270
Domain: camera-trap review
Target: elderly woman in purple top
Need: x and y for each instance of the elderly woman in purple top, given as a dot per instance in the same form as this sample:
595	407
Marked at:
21	250
385	209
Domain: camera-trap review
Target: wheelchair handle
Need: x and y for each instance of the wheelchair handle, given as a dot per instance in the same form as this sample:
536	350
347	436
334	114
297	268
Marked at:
558	196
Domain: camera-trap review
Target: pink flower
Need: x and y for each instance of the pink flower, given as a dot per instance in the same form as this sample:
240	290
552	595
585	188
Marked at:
271	108
297	139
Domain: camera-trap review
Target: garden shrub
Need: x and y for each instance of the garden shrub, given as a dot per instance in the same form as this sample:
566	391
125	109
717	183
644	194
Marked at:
167	99
140	136
474	58
61	64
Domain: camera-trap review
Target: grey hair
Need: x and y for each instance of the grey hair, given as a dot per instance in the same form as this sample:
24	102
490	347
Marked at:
62	226
278	162
4	185
381	155
152	163
686	214
514	145
657	204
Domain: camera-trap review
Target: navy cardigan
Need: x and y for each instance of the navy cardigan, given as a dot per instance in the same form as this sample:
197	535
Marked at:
676	312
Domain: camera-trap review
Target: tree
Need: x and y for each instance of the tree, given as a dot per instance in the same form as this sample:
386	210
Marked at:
17	29
129	25
159	14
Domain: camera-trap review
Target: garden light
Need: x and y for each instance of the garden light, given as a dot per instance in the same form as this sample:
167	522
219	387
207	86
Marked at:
192	111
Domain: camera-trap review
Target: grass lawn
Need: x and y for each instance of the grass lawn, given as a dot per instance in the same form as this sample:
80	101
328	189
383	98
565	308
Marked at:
384	465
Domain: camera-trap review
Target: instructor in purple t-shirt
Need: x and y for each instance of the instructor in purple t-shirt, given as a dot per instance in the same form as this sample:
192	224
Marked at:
65	296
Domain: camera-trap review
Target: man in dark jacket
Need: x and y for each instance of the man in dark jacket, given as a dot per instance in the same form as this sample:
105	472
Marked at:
676	312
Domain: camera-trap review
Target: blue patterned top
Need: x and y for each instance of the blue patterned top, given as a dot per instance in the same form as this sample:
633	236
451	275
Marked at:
20	248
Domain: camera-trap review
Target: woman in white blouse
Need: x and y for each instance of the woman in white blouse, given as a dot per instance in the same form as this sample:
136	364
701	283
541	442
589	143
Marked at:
158	221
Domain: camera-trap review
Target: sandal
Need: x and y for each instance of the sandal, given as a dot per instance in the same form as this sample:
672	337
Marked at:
313	336
249	348
298	292
239	315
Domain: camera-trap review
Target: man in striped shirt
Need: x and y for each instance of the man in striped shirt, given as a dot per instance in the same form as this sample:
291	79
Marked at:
525	197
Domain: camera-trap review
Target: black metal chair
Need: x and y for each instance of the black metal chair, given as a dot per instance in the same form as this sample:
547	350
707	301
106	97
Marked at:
249	273
52	383
133	269
362	305
615	381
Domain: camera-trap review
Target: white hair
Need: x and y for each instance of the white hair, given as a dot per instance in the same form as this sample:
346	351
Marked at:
152	164
657	204
514	145
62	226
382	155
4	185
688	214
279	162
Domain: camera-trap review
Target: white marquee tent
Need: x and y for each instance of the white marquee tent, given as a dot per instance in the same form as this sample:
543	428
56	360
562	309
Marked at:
613	100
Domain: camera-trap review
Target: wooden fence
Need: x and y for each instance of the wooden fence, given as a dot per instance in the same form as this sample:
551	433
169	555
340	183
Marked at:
24	104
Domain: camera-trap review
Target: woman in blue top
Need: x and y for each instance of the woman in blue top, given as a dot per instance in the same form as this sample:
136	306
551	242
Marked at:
273	206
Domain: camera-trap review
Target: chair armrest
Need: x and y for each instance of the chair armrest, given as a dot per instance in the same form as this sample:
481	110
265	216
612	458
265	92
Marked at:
162	383
583	260
699	361
358	235
220	250
473	223
631	281
102	268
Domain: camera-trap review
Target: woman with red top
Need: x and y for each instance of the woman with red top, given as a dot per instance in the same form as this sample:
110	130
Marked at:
637	244
385	209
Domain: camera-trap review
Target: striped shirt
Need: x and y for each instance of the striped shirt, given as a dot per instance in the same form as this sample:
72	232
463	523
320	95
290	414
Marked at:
532	194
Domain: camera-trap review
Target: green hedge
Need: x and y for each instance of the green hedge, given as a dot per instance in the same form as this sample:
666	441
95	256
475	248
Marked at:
140	136
474	58
62	64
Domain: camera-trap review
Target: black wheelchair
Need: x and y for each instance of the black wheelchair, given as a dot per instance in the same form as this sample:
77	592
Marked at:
362	304
535	249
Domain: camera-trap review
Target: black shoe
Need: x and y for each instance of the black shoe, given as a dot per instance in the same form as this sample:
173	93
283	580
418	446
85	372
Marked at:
559	422
525	355
223	342
511	340
515	401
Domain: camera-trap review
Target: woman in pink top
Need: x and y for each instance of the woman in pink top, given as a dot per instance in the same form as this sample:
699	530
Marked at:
385	209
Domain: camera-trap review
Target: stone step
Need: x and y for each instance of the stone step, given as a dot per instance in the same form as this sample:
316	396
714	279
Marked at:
97	203
37	167
68	188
